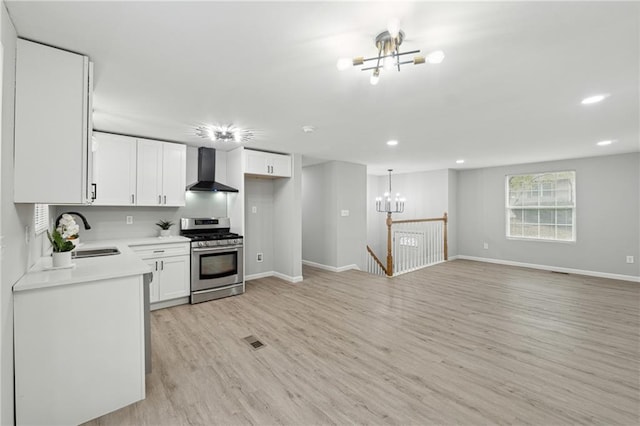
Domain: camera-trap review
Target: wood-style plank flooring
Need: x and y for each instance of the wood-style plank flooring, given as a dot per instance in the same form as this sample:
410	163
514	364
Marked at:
458	343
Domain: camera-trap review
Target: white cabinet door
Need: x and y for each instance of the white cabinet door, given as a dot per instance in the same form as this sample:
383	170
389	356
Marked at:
280	165
154	287
174	282
255	163
174	174
149	165
52	125
114	169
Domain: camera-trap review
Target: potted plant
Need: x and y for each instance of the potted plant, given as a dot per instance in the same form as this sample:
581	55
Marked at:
165	226
68	229
61	249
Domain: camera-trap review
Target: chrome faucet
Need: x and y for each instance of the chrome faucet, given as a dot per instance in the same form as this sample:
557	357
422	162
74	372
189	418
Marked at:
84	219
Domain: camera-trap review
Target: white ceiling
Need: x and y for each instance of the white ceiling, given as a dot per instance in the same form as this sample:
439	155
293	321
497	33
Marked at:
508	91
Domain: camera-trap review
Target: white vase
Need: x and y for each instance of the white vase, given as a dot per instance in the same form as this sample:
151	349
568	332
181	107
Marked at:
61	259
165	232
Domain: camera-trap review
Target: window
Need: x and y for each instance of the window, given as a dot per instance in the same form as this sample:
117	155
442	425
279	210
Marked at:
542	206
41	218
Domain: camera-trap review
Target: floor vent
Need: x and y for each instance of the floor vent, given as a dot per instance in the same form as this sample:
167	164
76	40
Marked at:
253	342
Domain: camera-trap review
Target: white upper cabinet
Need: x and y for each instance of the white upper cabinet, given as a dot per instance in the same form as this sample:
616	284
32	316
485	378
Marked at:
114	169
138	172
267	164
52	159
161	173
174	172
149	173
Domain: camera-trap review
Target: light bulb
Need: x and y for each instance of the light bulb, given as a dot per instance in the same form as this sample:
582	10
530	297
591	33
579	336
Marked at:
343	63
394	27
375	77
435	57
237	136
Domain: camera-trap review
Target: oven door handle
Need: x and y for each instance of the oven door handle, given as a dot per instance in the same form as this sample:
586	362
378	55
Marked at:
214	249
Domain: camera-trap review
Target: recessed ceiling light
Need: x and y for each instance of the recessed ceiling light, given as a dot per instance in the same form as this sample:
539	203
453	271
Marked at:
308	129
593	99
605	143
392	143
459	161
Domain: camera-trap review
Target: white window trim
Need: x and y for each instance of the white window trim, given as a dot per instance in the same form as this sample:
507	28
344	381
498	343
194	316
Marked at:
40	218
537	239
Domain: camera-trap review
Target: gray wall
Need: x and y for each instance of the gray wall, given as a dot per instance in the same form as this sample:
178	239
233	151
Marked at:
607	216
275	229
319	221
12	222
329	238
287	221
258	237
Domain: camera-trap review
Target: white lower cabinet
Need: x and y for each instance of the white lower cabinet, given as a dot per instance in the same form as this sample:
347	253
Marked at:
170	264
79	350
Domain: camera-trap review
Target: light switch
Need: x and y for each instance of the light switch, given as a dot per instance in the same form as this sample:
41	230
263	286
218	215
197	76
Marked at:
254	209
129	220
344	213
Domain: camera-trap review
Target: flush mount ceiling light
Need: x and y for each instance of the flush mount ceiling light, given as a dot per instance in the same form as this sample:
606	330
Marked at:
605	143
392	143
226	133
389	55
594	99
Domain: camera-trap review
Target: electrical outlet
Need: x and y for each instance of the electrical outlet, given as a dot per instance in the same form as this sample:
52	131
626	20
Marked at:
129	220
254	209
486	246
259	257
344	213
630	259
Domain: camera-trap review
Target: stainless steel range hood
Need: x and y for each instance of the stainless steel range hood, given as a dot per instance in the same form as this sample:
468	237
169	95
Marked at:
207	172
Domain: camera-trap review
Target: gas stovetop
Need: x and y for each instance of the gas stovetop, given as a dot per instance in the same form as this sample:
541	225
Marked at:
209	232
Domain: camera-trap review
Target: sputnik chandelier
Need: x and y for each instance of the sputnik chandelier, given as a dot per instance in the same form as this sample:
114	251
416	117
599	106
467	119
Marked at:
389	55
226	133
384	203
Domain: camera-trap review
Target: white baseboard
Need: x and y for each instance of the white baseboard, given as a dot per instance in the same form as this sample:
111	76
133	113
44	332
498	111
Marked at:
552	268
273	274
331	268
258	276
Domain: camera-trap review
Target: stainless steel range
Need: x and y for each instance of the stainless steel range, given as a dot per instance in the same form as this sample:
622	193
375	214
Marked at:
216	258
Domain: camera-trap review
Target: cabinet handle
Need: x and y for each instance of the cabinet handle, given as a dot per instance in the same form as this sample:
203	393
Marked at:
159	199
132	199
162	265
156	265
158	251
165	199
94	193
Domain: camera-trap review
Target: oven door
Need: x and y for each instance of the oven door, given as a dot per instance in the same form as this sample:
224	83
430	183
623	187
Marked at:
216	267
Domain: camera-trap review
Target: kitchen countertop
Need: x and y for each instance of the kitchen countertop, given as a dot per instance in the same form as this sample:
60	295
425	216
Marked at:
126	263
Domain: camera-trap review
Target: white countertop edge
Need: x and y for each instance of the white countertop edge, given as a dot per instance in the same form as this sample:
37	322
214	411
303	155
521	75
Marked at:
127	263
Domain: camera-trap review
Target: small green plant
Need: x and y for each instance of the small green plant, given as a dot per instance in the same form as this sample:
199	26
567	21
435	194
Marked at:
165	224
58	243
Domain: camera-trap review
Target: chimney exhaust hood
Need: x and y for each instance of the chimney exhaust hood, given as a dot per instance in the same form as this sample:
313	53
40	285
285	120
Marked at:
207	172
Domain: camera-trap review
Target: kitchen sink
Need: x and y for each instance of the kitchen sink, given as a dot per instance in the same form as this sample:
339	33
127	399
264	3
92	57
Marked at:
107	251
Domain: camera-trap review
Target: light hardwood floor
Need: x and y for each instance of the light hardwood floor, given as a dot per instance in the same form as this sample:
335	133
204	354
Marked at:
458	343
